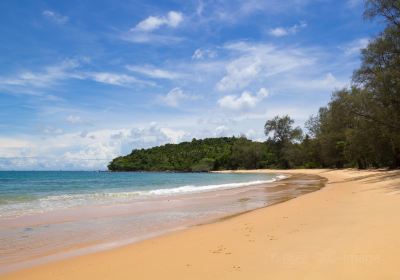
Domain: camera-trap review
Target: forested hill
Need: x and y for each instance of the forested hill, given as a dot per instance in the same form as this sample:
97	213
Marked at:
196	156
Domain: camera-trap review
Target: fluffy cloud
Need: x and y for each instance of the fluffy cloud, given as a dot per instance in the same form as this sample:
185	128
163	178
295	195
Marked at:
244	101
153	135
55	17
72	151
144	31
284	31
175	96
172	19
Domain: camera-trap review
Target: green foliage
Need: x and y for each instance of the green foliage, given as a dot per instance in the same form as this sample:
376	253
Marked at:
204	165
282	130
361	126
197	156
283	139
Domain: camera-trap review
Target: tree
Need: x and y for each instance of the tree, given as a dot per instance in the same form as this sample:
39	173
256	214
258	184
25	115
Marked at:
282	129
283	136
378	80
197	155
388	9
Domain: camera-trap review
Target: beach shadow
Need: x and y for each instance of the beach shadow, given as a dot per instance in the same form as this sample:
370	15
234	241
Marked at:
378	177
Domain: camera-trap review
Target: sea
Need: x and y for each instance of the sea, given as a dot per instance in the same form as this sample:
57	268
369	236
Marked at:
50	215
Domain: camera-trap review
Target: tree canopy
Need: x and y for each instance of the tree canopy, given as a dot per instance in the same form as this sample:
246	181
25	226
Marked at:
196	156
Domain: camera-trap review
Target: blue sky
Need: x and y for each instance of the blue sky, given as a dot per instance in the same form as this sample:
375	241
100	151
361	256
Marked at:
84	81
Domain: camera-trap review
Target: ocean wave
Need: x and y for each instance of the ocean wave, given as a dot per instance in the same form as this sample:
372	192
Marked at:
196	189
164	191
64	201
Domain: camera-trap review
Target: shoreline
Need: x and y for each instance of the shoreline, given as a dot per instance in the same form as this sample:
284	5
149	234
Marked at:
348	229
273	192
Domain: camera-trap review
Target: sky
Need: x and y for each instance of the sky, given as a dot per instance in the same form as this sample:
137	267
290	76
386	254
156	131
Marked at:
82	82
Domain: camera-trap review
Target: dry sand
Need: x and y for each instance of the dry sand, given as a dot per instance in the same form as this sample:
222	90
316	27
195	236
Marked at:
348	230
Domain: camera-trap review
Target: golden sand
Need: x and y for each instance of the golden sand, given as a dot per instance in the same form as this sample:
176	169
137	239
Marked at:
348	230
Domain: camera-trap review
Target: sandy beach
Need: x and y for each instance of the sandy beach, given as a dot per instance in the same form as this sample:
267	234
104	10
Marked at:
348	230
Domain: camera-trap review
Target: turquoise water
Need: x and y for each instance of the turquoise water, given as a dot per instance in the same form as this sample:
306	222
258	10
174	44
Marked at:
27	192
46	216
53	213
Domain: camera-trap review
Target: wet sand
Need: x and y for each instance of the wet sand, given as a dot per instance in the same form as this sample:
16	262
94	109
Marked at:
347	230
37	239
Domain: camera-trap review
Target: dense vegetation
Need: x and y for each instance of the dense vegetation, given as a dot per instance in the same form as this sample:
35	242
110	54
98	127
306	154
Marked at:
360	127
197	155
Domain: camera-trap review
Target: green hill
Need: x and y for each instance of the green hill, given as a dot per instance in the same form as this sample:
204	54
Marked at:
196	156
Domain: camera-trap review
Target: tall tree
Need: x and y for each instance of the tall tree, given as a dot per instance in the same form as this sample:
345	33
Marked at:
283	136
378	100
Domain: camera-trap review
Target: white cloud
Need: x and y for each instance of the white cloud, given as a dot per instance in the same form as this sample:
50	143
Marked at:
29	82
153	135
143	32
175	96
82	151
115	79
284	31
48	77
150	24
278	32
255	62
203	53
153	72
244	101
326	83
355	46
173	19
221	131
55	17
7	142
235	11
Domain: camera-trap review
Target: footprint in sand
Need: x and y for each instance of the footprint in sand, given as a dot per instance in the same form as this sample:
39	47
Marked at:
271	237
220	250
236	267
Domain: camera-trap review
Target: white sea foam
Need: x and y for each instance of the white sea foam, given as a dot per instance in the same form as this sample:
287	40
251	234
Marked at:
197	189
54	202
